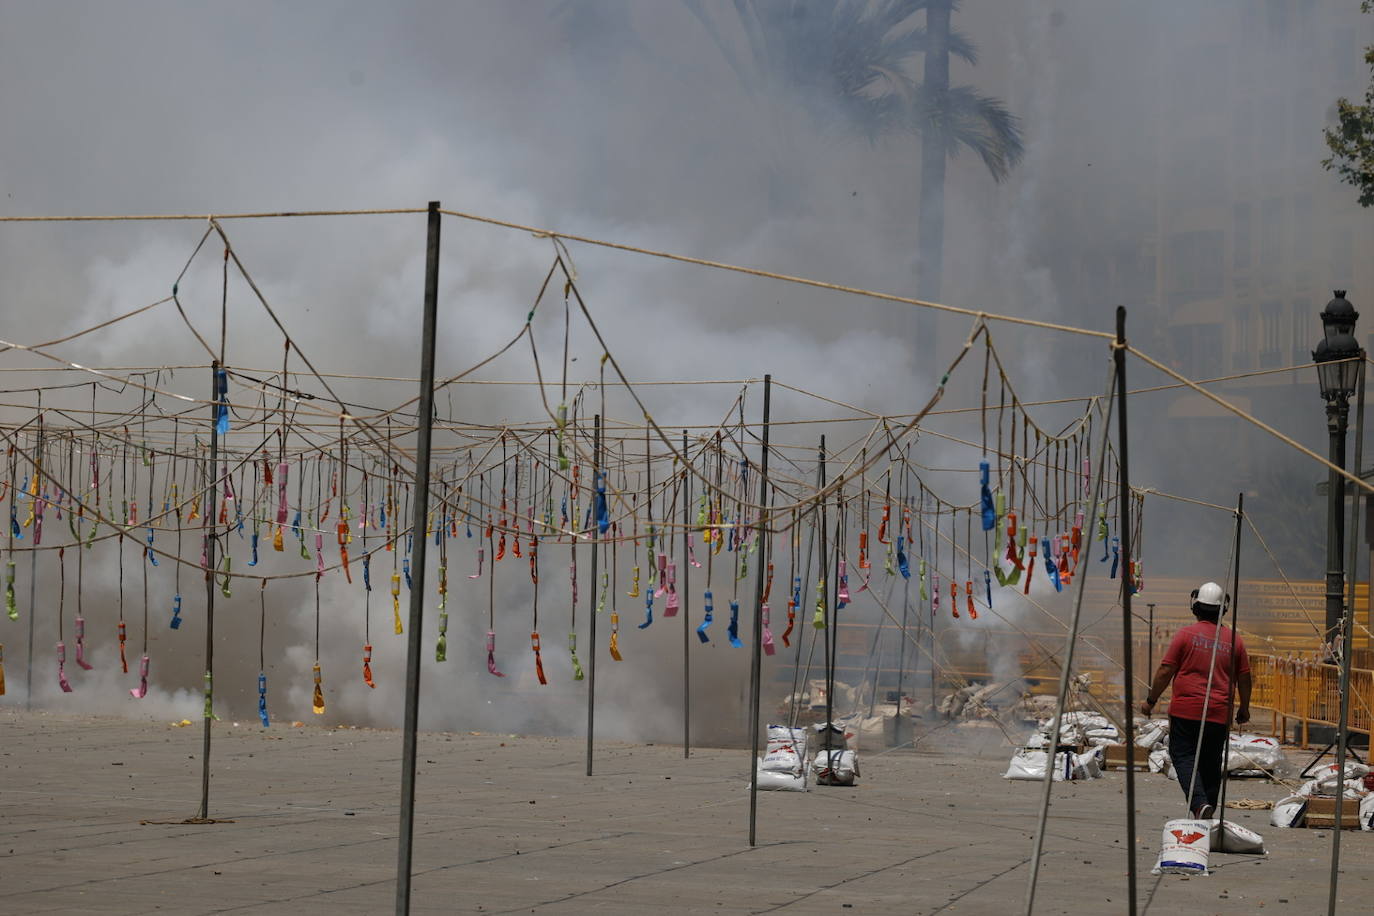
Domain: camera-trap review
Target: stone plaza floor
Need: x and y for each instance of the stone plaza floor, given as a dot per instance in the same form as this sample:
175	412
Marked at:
512	824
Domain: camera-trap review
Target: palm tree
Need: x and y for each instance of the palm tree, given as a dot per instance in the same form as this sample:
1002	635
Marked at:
855	61
948	119
853	64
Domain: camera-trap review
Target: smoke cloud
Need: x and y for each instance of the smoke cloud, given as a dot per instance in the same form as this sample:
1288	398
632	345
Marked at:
624	121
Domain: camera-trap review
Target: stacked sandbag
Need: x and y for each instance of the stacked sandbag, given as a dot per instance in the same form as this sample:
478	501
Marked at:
1029	763
1254	755
836	763
783	767
1292	810
836	767
1076	729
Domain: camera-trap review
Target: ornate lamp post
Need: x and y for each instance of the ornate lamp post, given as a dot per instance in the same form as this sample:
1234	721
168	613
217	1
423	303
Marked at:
1338	357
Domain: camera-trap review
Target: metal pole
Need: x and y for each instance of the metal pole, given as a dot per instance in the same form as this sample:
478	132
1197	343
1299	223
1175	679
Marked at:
686	598
1125	523
424	431
210	543
825	606
1235	626
1150	661
833	629
33	582
1337	417
1347	649
1065	672
591	596
897	731
760	571
33	569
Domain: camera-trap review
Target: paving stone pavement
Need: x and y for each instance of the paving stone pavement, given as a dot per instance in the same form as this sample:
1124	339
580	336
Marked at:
512	824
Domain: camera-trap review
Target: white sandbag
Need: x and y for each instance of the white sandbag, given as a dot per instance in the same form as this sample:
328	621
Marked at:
1030	764
1228	836
1367	812
786	752
1161	762
838	736
1288	812
1183	848
1323	781
1249	753
778	781
1107	735
797	734
1026	764
1088	765
1152	733
782	759
835	768
1084	719
1037	740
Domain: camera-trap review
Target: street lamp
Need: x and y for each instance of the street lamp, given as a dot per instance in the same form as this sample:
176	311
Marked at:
1339	358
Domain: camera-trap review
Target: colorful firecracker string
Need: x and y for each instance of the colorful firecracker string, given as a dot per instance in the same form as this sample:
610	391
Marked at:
535	486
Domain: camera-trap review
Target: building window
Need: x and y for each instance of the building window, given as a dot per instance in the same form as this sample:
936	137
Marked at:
1196	262
1197	349
1304	327
1271	335
1302	229
1340	246
1271	238
1242	351
1240	238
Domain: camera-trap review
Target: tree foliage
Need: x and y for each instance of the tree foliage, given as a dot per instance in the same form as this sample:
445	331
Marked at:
856	65
1351	140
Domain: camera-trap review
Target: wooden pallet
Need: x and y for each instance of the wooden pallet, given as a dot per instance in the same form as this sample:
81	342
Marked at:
1115	757
1321	813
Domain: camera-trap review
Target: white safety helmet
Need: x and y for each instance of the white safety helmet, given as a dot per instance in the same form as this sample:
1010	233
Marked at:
1210	595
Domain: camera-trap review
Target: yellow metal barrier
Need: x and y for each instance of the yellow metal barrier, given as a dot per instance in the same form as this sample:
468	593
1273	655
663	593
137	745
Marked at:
1304	693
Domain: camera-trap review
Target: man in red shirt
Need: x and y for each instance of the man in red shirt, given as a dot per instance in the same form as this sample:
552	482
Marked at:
1201	661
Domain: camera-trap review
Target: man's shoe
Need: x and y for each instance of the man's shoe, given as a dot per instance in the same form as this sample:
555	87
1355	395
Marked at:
1205	813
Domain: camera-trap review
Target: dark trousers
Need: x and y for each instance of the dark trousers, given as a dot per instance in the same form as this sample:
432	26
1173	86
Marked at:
1183	750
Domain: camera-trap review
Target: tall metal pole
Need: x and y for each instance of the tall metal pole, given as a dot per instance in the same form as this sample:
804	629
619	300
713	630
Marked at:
424	432
33	583
591	596
1235	627
211	541
824	592
1347	649
898	732
1337	419
1124	495
686	599
33	570
1065	673
1150	660
760	571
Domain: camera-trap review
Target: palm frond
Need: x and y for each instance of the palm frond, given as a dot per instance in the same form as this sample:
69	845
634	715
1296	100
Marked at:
963	118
